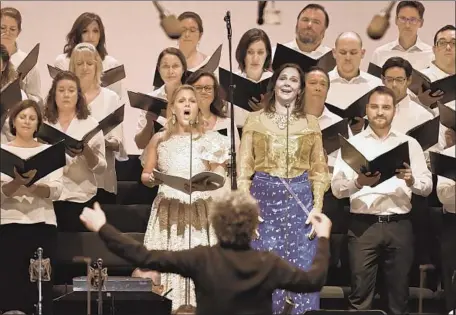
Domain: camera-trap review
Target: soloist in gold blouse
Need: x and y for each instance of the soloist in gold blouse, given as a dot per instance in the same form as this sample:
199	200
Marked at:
263	149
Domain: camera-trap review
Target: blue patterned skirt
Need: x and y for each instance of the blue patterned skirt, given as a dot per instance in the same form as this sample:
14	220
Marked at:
284	231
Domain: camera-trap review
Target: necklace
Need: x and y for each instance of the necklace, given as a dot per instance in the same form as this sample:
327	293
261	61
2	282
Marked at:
281	120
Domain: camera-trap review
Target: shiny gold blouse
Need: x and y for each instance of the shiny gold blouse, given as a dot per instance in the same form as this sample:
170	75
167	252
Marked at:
263	149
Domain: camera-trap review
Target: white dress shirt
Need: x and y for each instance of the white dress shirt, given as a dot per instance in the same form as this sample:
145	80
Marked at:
104	104
240	114
419	55
79	182
32	82
446	187
316	54
326	119
434	73
410	114
391	196
63	62
25	207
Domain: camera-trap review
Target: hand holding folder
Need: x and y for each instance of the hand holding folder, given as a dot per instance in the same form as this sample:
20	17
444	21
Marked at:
29	62
211	65
284	54
108	77
443	165
153	105
387	164
52	135
443	88
204	181
35	167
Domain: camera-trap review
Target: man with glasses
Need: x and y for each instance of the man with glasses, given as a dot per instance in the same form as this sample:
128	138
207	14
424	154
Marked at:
409	19
443	66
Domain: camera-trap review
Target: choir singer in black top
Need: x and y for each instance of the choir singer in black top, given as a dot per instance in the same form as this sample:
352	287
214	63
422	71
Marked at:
230	278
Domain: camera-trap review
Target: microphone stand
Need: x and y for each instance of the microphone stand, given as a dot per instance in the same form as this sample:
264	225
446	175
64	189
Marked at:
40	270
233	174
100	284
40	292
187	308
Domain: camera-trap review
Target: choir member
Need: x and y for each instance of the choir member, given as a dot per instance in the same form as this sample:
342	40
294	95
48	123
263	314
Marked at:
66	110
192	31
86	63
311	25
347	79
27	218
444	65
409	19
11	27
169	223
380	230
171	65
289	181
446	194
88	28
8	74
230	277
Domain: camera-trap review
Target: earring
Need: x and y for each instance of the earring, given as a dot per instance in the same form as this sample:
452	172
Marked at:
197	119
173	120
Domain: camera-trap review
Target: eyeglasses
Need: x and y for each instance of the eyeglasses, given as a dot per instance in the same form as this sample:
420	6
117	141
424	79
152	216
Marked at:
398	80
205	88
441	43
404	20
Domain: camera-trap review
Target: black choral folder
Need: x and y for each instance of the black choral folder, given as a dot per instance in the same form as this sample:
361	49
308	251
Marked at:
10	95
29	62
149	103
108	77
52	135
40	162
447	116
355	109
375	70
284	54
443	165
210	66
386	163
427	134
446	85
330	135
245	89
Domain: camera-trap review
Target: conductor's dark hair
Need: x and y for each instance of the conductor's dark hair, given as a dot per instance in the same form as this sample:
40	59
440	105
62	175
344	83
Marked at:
19	107
382	90
316	6
411	4
398	62
51	111
443	29
74	37
269	98
249	37
194	16
217	104
234	218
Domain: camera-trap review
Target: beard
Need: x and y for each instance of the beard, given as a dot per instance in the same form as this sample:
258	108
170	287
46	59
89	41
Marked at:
308	38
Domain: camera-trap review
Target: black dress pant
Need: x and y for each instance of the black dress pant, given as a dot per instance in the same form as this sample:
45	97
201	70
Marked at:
373	244
448	244
18	244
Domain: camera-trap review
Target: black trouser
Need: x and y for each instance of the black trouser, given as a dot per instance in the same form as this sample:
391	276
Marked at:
18	244
68	213
448	244
387	244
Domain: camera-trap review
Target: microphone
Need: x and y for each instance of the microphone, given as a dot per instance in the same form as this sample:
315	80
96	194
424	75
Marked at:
169	23
261	7
380	22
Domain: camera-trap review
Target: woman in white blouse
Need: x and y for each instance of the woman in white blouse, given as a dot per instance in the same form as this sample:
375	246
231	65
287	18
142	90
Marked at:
254	57
88	28
11	26
66	110
27	218
192	31
86	63
171	65
8	74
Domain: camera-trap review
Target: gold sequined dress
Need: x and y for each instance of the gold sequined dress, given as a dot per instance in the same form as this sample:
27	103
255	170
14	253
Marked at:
172	212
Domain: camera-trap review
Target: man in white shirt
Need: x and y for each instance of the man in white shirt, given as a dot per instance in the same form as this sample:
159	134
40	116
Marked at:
409	19
397	75
446	193
443	66
348	82
380	231
311	26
